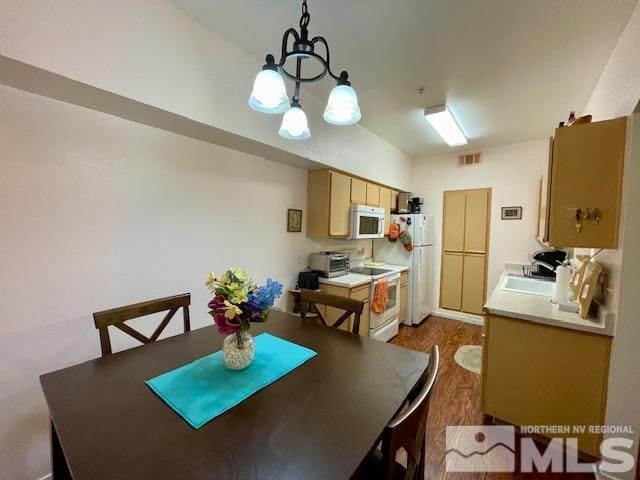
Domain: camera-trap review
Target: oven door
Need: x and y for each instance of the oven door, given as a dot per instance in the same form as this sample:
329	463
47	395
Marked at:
367	225
392	308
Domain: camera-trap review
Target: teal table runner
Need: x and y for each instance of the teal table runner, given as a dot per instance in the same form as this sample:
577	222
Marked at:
205	388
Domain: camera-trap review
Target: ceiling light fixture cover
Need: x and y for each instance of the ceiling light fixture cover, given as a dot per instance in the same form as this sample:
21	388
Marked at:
445	124
294	124
269	93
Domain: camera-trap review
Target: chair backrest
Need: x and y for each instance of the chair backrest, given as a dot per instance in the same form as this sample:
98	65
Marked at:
311	298
117	317
407	430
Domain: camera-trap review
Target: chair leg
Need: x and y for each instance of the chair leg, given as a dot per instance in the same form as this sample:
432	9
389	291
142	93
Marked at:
59	468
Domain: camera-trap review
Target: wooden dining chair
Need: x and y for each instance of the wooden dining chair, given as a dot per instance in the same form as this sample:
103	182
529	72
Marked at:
117	317
311	298
406	431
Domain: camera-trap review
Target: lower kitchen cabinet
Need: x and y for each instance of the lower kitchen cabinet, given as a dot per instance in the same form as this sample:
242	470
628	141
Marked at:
451	281
473	275
535	374
403	301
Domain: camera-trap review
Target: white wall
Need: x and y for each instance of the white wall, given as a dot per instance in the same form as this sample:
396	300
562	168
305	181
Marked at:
99	212
513	173
150	51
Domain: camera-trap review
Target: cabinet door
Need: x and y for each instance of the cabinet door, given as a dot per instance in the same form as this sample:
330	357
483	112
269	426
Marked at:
587	175
545	195
385	202
358	191
403	302
475	228
453	221
473	291
451	281
340	201
394	201
373	194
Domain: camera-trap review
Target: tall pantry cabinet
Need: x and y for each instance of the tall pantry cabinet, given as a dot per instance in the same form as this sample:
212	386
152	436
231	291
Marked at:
465	233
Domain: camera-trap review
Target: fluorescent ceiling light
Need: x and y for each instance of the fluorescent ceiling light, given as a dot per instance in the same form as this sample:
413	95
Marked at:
442	120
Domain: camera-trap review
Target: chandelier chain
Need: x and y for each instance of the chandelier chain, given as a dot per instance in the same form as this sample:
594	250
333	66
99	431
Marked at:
305	18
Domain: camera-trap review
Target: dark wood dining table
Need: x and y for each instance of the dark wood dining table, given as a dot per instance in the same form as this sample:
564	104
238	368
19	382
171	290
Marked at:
317	422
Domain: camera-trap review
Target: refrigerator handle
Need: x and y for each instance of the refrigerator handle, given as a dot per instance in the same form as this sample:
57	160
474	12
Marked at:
420	268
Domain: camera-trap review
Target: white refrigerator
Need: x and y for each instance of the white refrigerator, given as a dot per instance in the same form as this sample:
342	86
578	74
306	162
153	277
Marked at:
419	261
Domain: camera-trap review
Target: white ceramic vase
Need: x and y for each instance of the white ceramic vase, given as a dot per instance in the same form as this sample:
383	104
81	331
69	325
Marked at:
238	350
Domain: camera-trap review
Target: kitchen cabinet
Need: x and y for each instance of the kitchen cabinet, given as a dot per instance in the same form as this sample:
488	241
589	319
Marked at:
373	194
585	178
330	195
451	281
465	234
536	374
328	204
358	191
454	221
394	201
473	278
385	202
358	293
403	296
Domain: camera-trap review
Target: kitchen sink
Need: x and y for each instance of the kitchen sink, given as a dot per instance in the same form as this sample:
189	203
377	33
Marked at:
528	285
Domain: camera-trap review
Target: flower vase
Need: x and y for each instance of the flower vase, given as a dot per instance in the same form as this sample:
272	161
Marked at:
238	350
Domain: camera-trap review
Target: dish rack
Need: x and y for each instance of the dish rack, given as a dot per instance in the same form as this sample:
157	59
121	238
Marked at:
538	272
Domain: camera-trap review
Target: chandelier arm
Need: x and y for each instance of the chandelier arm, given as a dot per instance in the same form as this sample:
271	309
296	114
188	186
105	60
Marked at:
285	43
296	91
322	40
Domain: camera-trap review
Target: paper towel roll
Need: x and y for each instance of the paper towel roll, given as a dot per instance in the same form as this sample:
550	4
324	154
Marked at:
561	292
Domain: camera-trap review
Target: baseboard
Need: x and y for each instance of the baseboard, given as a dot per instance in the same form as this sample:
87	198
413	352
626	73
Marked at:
460	316
46	477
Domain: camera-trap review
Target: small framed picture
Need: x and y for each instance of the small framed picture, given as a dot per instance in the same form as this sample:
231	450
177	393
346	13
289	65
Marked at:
511	213
294	220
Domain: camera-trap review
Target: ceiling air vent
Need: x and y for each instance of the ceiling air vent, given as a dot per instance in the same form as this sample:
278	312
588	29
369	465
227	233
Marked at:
469	159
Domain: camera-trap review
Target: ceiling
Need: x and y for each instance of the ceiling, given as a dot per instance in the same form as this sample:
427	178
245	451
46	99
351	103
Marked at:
509	70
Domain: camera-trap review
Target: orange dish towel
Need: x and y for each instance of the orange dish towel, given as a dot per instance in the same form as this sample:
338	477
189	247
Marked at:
380	296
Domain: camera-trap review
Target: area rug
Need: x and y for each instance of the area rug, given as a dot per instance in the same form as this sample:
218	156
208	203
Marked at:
469	357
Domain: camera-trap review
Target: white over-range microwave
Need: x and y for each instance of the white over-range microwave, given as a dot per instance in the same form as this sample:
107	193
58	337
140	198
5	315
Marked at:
366	222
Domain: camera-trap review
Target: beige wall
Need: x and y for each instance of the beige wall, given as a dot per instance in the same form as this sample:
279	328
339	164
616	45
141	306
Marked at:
99	212
513	173
154	53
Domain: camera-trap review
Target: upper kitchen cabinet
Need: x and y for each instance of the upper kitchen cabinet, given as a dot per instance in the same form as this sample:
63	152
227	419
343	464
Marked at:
358	191
373	194
385	202
584	187
328	202
330	195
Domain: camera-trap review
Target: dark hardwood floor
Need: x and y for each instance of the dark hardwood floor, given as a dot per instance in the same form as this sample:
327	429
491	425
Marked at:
455	399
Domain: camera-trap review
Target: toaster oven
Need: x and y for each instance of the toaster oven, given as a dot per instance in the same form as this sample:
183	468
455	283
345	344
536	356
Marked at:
329	264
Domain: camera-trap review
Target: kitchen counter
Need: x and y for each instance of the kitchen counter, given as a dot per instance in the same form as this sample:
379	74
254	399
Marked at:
352	280
540	309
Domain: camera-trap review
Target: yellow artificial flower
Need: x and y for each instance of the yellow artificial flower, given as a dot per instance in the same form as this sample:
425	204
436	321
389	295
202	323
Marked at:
231	311
234	286
241	296
241	275
211	278
225	278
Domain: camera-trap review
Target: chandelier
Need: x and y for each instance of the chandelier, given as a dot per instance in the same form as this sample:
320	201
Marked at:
269	93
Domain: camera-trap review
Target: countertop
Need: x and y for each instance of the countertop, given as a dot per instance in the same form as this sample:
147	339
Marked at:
352	280
540	309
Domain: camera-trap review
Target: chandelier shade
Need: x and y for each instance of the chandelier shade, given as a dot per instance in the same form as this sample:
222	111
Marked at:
342	107
269	93
294	124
